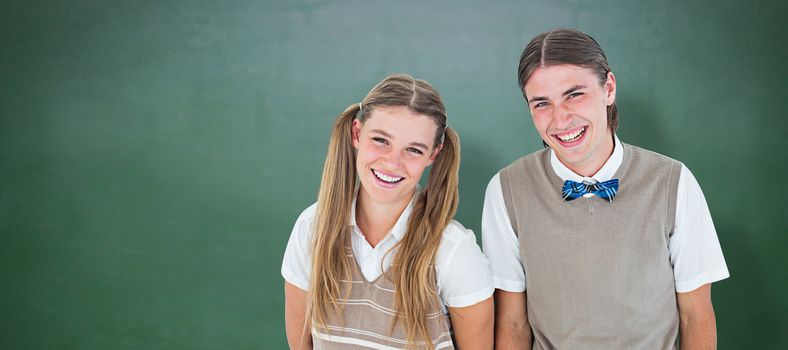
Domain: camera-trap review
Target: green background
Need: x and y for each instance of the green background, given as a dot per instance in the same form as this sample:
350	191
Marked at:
154	155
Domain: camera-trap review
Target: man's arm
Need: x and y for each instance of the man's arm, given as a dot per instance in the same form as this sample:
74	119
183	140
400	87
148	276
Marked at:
697	328
473	325
299	336
512	330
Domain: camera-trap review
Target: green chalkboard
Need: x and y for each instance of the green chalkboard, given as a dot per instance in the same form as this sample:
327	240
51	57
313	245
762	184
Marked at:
155	154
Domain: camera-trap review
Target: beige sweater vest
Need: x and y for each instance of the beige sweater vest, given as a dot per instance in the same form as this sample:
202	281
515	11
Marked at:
368	313
598	274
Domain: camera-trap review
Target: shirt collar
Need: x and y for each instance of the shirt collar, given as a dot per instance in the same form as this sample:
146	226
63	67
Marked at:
605	173
400	227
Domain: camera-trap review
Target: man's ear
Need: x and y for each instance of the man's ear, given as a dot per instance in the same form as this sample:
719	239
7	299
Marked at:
355	132
610	89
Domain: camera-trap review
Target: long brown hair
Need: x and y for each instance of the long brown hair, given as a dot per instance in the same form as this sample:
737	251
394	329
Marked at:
413	266
566	46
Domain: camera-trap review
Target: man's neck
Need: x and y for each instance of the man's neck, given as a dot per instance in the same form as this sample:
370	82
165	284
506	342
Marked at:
591	166
587	170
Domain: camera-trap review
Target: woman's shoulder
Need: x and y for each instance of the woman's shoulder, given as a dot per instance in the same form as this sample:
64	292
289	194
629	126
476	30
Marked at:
455	232
456	239
296	263
305	221
308	214
463	272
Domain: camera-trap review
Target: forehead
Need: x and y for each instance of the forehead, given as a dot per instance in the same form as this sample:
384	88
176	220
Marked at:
546	79
402	124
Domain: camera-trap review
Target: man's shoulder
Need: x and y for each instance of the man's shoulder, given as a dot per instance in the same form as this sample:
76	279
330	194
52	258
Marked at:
643	154
525	161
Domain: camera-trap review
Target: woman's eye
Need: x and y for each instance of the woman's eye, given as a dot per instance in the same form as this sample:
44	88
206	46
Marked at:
415	151
380	140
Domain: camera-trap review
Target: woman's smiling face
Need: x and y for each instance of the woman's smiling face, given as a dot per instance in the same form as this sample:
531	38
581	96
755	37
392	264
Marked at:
394	146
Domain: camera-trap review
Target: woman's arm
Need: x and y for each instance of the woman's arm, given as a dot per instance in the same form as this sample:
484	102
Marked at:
299	336
473	325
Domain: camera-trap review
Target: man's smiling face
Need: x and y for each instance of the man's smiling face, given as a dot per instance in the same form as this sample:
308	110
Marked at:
569	110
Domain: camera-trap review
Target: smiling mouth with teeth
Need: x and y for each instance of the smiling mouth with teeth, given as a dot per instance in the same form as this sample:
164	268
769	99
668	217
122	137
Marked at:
386	178
573	136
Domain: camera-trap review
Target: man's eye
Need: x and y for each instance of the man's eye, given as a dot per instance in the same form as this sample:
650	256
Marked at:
540	105
574	94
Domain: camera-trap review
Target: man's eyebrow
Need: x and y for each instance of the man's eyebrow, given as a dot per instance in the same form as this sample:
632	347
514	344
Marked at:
573	89
567	92
537	98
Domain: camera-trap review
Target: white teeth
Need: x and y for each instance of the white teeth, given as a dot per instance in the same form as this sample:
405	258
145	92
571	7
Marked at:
573	136
386	178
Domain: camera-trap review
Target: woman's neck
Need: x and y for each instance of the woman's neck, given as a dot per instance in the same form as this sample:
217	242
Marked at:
375	219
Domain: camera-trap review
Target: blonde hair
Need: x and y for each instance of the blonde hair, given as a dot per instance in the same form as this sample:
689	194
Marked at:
413	267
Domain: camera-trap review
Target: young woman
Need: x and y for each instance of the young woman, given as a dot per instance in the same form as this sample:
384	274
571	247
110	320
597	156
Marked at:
377	262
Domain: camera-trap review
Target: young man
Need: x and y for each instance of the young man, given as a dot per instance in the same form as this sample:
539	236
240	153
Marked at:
595	243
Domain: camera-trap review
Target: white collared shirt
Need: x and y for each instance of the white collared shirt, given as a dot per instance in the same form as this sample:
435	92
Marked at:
695	251
462	271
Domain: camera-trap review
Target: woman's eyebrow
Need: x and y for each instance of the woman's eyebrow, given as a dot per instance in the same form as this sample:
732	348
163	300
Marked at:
414	144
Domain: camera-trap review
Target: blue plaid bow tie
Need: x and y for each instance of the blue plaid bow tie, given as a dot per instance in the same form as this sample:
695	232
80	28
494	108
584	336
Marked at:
605	190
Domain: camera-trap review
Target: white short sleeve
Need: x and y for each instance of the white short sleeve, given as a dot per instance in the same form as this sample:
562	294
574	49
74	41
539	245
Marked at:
694	248
297	262
500	243
462	271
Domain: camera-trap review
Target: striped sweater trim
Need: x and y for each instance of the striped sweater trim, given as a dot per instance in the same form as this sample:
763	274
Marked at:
374	345
381	308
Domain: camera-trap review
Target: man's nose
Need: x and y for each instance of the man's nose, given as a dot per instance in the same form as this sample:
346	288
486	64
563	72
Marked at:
562	117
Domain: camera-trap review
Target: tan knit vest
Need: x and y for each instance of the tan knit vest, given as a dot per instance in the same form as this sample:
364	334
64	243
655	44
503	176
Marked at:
598	274
368	313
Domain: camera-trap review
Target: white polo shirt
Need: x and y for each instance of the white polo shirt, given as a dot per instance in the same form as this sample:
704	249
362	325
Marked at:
695	251
462	271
